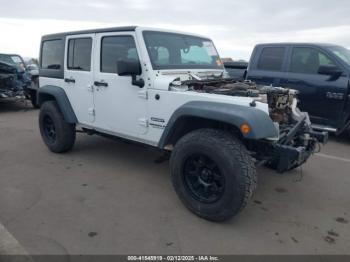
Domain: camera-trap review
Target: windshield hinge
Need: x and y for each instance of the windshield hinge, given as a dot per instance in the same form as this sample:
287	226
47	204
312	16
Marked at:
143	94
143	122
91	111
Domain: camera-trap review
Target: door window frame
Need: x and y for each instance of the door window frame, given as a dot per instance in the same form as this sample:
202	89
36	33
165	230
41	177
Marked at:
83	36
259	57
98	54
91	54
320	50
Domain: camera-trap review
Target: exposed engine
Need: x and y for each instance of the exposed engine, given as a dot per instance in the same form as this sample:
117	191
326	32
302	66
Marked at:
282	102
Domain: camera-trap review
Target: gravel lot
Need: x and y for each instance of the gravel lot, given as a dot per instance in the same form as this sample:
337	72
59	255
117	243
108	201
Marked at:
111	197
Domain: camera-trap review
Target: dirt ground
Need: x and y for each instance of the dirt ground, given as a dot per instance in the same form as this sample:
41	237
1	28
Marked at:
110	197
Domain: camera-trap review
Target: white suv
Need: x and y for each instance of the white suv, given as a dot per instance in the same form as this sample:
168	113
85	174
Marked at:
169	90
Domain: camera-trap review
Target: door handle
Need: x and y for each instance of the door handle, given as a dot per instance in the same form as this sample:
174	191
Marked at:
96	83
69	80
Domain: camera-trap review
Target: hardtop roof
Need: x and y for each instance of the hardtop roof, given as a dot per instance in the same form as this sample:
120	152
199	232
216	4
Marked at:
90	31
115	29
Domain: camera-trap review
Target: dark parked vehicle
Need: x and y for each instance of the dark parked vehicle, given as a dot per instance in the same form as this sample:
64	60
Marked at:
16	79
236	69
32	90
320	72
13	78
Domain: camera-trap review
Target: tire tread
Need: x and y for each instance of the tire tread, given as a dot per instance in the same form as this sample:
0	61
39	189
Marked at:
66	130
239	154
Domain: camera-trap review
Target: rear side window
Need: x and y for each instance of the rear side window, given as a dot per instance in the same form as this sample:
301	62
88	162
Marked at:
51	54
271	59
306	60
79	54
114	48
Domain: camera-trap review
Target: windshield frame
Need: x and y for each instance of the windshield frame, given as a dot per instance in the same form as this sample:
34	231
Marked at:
181	66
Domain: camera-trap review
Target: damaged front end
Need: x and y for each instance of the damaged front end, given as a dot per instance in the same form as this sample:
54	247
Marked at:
13	81
297	141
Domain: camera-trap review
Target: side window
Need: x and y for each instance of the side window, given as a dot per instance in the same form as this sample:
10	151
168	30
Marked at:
114	48
307	60
324	60
52	54
271	59
79	54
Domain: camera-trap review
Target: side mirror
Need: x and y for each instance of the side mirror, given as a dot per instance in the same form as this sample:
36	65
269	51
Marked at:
33	69
130	68
330	70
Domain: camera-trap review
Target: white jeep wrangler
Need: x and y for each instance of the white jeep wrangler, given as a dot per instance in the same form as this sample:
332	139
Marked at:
170	90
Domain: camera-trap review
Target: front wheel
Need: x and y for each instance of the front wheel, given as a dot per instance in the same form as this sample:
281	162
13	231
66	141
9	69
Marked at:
58	135
212	173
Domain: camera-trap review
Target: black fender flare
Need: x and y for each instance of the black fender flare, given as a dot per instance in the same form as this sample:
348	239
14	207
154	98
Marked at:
260	123
49	92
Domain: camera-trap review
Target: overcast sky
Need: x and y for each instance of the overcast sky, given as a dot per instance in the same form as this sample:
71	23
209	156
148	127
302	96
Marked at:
234	25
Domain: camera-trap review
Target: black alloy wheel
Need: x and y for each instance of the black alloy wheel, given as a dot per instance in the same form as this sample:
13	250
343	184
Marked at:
49	129
203	178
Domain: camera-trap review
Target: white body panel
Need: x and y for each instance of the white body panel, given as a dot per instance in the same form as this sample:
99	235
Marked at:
80	93
170	101
120	108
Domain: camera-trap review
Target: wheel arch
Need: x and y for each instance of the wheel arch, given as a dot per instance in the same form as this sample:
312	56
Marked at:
198	114
55	93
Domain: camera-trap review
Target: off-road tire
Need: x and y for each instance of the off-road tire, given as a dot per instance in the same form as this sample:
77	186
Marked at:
64	138
234	163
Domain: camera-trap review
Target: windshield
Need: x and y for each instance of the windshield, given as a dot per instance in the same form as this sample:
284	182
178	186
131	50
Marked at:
11	59
176	51
341	52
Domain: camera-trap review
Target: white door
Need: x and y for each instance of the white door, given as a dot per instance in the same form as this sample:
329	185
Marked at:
120	106
78	76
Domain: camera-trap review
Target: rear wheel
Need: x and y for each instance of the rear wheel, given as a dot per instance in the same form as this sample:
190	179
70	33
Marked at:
212	173
58	135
